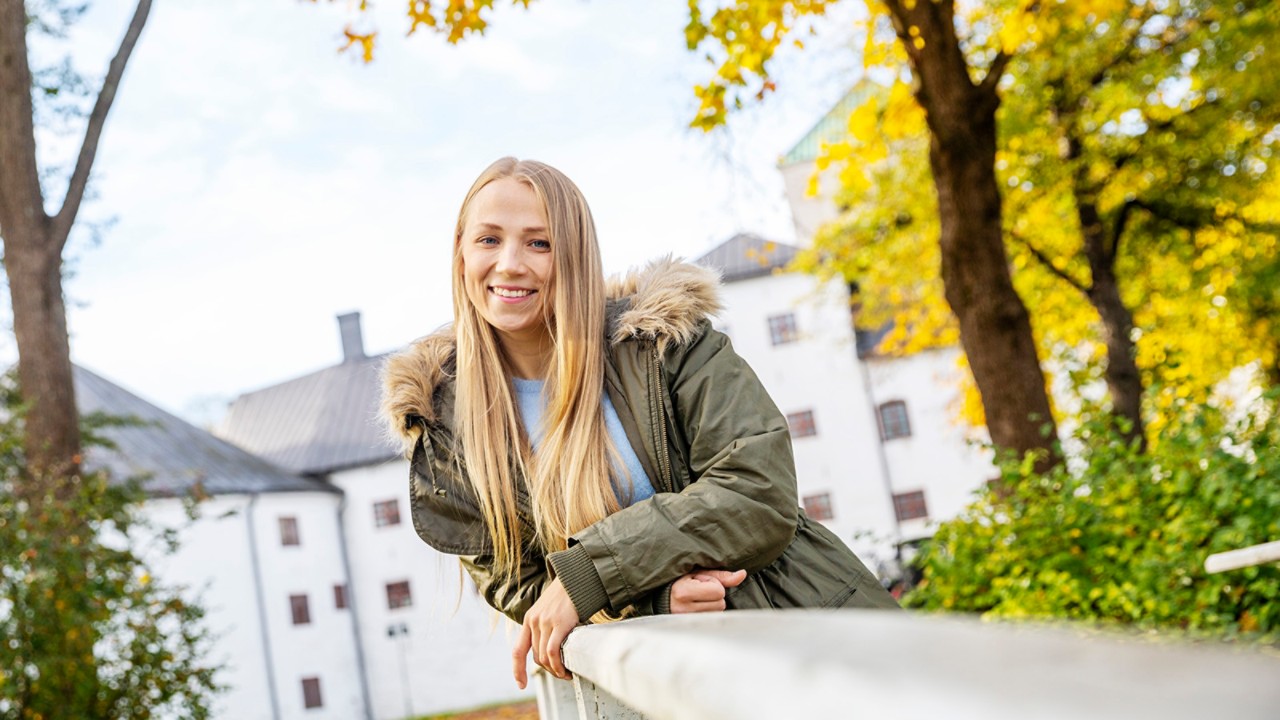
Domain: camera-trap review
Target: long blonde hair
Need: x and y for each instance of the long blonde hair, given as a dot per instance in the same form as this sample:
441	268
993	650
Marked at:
568	481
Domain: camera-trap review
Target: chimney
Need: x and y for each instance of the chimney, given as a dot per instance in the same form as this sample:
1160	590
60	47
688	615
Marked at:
352	338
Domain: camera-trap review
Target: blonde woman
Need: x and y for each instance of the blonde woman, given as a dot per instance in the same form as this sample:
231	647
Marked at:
592	451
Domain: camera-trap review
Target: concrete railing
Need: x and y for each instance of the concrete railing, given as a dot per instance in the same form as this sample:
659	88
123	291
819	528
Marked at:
1243	558
818	664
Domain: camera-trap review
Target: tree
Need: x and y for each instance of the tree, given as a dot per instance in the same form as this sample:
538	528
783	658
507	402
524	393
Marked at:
960	113
34	241
33	244
1134	156
1153	130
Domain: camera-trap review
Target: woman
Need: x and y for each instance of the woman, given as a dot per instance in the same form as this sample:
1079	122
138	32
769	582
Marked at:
592	452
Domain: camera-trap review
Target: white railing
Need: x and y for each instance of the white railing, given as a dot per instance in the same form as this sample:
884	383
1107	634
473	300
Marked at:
1243	558
819	664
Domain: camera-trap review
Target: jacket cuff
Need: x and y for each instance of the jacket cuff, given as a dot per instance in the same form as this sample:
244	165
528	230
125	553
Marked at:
662	603
579	577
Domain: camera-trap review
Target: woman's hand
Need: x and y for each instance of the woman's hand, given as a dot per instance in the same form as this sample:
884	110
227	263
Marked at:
545	627
703	590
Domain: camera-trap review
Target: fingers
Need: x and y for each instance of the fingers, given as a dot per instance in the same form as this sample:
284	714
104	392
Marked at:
546	638
520	656
702	591
546	625
553	659
726	578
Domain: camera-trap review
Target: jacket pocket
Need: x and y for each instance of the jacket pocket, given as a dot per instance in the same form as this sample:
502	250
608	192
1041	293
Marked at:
444	513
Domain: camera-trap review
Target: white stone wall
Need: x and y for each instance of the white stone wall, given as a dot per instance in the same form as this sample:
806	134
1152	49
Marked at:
809	212
215	562
457	652
941	456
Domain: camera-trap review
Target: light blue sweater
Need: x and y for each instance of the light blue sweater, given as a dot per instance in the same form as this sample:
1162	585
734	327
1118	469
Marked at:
533	404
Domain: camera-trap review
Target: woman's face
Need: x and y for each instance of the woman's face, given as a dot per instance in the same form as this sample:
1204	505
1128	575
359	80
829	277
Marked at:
507	259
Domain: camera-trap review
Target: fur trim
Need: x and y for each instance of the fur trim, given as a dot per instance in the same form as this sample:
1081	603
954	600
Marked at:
409	381
668	300
665	301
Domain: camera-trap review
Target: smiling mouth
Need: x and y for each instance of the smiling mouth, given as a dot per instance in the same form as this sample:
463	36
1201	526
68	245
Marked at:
510	292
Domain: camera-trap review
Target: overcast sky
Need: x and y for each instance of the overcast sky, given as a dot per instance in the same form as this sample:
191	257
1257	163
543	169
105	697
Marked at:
260	183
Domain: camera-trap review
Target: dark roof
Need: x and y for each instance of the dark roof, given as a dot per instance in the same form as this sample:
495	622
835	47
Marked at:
171	455
868	339
833	127
746	256
315	424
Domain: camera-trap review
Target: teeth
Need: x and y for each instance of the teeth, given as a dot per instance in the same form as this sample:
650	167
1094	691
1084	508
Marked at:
504	292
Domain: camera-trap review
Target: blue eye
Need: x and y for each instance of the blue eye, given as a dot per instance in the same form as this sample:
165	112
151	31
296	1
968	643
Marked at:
488	240
542	244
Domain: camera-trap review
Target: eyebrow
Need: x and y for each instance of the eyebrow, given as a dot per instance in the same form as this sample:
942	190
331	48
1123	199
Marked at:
491	226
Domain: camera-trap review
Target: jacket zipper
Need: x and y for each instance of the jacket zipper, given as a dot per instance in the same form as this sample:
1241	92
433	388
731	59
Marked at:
659	417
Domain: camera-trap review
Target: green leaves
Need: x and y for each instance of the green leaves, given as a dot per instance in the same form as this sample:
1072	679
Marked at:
1120	536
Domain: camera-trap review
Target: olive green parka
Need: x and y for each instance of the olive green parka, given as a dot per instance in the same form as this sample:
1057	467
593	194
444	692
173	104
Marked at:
712	442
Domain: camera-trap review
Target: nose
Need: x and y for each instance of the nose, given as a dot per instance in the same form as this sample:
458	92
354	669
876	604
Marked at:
511	259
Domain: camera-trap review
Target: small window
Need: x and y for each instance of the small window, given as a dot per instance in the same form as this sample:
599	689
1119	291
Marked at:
801	424
782	329
818	506
398	595
893	420
340	597
386	513
311	693
289	531
910	505
301	610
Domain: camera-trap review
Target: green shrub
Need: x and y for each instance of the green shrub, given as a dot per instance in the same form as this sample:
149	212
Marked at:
86	632
1120	536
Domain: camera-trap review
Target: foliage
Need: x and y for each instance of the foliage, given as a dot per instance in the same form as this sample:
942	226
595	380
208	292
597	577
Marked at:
1158	117
74	569
1121	536
1149	145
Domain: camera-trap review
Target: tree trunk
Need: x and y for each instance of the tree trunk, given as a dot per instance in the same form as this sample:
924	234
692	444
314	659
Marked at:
995	328
44	361
1124	383
1101	246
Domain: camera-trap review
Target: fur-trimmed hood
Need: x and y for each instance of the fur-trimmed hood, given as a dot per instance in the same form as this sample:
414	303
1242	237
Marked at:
664	302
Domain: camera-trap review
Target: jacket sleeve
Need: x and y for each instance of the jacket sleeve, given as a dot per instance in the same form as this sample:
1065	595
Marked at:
740	512
510	596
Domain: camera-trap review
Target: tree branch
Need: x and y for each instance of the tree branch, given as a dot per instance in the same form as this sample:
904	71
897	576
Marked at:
995	72
1044	260
1171	214
1117	229
63	221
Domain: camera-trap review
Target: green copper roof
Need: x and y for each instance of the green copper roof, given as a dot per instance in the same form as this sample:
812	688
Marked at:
833	126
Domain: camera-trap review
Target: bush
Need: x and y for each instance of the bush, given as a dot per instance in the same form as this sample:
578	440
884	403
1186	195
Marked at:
1120	536
85	631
